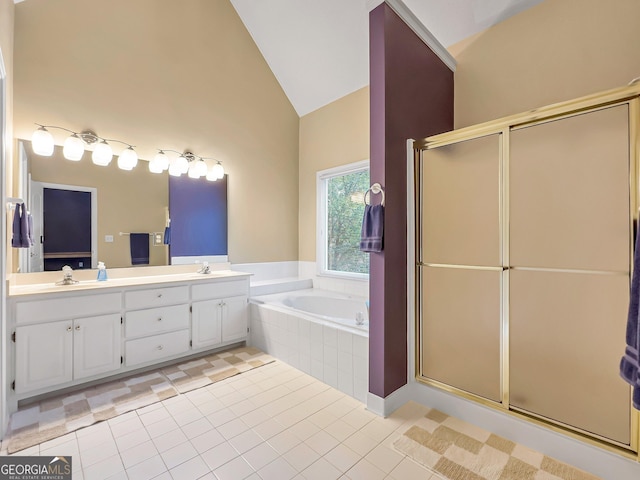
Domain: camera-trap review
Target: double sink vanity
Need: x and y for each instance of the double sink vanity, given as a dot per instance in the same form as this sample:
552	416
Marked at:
65	335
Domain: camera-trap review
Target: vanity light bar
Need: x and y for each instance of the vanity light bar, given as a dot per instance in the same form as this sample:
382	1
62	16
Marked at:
42	144
74	147
193	165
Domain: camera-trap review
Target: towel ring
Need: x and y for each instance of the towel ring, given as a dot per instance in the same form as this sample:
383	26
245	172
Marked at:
375	188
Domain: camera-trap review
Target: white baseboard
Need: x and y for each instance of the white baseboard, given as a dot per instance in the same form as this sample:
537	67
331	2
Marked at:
386	406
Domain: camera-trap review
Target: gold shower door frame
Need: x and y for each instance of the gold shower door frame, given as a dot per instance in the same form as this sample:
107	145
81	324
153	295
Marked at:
629	96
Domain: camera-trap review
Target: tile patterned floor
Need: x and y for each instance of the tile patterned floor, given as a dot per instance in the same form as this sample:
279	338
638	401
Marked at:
272	423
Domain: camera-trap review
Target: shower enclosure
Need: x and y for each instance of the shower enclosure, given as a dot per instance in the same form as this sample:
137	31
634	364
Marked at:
525	229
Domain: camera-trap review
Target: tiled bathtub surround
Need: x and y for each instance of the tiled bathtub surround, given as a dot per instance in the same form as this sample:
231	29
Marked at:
339	358
347	286
266	271
273	277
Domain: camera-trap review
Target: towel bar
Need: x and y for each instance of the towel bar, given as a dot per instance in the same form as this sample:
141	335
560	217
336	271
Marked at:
13	201
375	188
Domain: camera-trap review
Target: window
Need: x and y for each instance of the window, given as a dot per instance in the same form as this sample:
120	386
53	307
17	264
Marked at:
340	209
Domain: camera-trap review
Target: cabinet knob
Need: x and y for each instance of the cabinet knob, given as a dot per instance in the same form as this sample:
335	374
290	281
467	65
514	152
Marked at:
77	327
159	319
69	328
160	347
159	295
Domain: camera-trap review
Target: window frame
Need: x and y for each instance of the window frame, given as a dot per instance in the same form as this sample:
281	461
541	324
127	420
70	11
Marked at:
322	218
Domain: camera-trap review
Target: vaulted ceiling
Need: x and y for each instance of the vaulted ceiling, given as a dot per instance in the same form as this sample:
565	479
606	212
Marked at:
319	49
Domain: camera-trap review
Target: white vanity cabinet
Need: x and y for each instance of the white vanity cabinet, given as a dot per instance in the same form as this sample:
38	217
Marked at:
159	327
219	312
63	337
66	349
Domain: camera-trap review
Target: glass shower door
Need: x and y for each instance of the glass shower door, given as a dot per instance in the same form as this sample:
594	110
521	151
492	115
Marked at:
569	278
461	266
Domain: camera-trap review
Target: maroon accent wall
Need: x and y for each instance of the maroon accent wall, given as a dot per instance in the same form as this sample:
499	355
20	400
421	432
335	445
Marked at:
411	97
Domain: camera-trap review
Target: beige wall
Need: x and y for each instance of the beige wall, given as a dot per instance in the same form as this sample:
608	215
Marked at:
555	51
176	74
134	201
6	48
336	134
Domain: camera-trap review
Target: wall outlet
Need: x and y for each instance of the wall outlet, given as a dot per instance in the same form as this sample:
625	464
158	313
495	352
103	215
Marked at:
108	238
158	239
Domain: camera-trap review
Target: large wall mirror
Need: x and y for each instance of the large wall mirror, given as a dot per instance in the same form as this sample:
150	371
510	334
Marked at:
84	213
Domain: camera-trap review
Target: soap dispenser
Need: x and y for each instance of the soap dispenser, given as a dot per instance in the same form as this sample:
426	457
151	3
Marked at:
102	272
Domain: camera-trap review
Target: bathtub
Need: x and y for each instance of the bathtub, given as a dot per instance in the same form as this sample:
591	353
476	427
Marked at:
316	331
331	307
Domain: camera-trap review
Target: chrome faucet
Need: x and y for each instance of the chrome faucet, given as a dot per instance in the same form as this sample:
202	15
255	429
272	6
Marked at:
67	276
205	268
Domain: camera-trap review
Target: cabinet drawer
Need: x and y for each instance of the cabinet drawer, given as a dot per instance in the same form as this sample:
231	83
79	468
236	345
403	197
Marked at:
66	308
156	297
156	320
156	348
219	289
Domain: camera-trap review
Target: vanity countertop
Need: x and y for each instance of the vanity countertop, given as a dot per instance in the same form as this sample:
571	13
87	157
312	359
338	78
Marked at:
50	288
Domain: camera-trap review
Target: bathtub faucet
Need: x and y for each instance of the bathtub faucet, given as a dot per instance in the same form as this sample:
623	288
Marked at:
359	318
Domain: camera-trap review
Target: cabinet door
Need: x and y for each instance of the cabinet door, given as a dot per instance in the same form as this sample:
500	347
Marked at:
43	355
206	323
234	319
96	345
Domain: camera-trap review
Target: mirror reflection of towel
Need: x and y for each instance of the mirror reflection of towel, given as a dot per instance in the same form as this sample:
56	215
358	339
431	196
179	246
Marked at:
20	228
30	226
139	243
15	238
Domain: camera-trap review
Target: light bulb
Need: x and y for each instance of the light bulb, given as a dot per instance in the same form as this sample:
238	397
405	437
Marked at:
194	171
161	160
128	159
202	168
73	148
42	142
183	164
155	166
174	169
102	154
212	176
218	169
